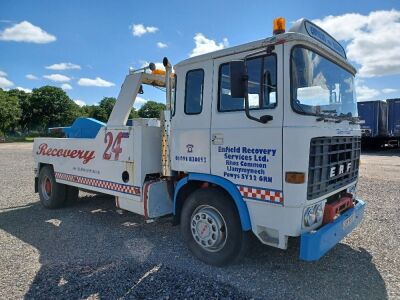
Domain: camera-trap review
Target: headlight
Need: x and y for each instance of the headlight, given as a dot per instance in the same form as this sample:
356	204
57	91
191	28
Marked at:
309	216
352	189
319	213
314	214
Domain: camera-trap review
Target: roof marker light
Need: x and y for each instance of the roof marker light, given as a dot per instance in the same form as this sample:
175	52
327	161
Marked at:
279	25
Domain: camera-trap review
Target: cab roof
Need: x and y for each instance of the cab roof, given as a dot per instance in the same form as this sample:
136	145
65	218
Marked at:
301	31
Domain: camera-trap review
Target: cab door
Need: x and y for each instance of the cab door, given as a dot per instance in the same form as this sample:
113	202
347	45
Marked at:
190	123
246	152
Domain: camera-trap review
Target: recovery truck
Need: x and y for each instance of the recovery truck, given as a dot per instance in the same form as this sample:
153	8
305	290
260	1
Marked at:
260	138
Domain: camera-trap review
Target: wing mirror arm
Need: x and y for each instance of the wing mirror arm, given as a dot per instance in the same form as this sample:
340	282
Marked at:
263	119
239	82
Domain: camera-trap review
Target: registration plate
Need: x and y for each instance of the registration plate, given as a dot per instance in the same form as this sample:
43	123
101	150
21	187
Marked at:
349	221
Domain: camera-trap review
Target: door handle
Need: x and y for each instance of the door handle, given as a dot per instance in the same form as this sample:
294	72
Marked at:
217	139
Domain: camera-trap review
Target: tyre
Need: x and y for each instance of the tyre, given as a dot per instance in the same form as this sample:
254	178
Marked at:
71	195
210	226
52	194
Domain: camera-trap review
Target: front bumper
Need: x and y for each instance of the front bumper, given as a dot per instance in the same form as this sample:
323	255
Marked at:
314	244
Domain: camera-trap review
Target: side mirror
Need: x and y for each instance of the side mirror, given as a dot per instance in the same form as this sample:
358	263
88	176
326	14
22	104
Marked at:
238	78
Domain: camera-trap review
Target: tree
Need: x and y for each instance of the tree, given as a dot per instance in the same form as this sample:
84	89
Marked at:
10	112
88	111
151	109
134	114
102	111
51	107
25	105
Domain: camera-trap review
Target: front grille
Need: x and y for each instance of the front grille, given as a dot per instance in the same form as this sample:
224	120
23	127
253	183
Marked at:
329	167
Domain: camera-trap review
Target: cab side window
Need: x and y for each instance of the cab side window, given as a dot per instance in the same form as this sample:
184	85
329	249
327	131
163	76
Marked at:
194	92
262	85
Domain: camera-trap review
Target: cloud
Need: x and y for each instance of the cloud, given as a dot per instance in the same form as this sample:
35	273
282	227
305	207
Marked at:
4	82
66	86
365	93
57	77
344	27
95	82
24	89
26	32
372	40
80	102
31	77
63	66
389	90
159	65
205	45
139	29
161	45
139	102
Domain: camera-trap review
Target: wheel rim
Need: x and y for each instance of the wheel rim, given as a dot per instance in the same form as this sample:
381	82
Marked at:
208	228
46	188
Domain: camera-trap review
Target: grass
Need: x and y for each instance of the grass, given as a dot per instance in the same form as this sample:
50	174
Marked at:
19	139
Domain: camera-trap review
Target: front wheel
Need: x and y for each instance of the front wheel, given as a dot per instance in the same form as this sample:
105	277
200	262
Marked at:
211	227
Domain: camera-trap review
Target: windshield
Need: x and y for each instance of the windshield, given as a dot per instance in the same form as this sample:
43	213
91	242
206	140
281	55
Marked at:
320	87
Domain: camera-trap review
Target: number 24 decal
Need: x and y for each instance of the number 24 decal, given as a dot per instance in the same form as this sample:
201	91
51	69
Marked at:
115	147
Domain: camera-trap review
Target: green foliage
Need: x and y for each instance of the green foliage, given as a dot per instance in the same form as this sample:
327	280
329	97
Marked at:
134	114
48	106
10	112
51	107
102	111
88	110
25	105
151	109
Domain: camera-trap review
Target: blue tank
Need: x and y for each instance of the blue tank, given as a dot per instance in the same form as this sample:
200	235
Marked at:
84	128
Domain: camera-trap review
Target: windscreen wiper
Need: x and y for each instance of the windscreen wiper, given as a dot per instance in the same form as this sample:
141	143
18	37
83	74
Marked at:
325	118
298	105
355	121
352	120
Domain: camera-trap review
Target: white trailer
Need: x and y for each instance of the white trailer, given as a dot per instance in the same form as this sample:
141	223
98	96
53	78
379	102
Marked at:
261	138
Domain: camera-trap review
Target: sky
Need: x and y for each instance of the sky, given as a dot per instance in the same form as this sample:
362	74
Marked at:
87	47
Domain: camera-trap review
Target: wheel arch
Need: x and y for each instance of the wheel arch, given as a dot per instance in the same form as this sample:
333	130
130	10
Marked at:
193	181
41	165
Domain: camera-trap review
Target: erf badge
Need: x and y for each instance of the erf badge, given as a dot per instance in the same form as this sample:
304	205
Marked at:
189	148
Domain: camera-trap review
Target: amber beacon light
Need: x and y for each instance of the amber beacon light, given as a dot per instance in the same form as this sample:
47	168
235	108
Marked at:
279	25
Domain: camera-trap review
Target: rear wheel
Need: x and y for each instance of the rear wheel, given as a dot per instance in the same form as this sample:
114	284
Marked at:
211	227
51	193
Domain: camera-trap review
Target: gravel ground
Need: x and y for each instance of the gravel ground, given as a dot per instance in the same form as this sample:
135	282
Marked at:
93	250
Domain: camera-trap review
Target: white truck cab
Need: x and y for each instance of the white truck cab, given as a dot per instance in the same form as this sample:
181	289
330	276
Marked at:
260	138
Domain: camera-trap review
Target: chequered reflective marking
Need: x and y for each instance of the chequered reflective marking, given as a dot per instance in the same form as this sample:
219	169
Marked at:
261	194
108	185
